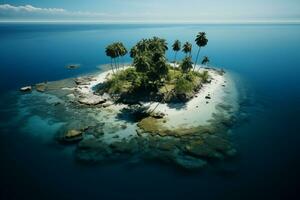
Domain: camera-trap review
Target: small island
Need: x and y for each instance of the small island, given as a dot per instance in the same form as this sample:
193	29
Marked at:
176	112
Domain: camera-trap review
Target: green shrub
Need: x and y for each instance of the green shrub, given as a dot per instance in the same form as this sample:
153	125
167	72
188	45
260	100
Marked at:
183	85
204	76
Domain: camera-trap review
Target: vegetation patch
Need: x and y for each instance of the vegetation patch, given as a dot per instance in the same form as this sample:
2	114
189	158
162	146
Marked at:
151	77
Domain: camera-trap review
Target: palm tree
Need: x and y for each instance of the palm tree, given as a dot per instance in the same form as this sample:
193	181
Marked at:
142	45
162	67
133	51
157	43
187	48
122	51
115	54
186	64
141	63
201	41
176	47
110	53
164	44
205	61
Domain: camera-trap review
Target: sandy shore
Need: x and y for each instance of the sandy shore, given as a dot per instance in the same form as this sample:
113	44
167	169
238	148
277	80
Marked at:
199	110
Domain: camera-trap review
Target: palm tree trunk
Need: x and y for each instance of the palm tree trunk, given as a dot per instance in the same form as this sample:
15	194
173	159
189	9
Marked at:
116	64
200	68
197	58
155	108
122	62
111	65
175	62
175	59
163	100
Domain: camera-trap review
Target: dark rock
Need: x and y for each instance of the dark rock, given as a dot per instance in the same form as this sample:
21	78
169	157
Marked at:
26	89
207	97
158	115
73	66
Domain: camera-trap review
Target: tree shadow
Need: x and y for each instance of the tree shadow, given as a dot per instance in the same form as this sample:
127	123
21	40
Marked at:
133	113
99	87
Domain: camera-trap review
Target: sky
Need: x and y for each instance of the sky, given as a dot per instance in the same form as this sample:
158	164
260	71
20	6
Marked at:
151	10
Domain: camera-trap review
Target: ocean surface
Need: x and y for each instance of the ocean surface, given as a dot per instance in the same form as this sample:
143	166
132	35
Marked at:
265	59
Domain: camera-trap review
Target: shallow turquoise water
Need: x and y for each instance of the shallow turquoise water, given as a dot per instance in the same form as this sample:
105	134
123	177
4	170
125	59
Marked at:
264	58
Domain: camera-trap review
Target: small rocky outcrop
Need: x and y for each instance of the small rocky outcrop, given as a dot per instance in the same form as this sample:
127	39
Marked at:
26	89
72	136
189	162
72	66
91	100
40	87
84	80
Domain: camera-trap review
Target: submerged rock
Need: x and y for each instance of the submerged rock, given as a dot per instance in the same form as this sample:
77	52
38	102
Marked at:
40	87
72	136
72	66
92	151
189	162
124	146
200	149
217	143
166	145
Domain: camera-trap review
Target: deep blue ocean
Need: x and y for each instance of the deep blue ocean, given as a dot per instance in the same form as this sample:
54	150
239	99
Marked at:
266	60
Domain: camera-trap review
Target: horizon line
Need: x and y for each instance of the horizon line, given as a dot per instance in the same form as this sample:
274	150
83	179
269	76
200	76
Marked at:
157	22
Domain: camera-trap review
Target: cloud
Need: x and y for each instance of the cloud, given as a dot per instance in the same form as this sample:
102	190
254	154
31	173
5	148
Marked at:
8	11
29	12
